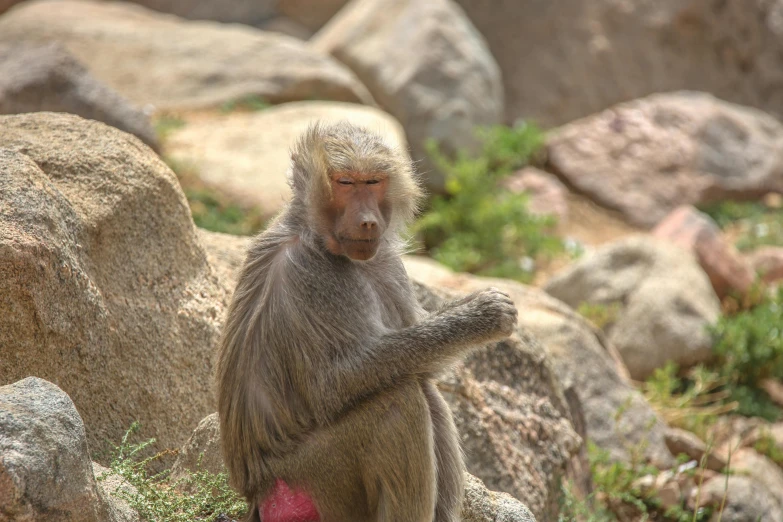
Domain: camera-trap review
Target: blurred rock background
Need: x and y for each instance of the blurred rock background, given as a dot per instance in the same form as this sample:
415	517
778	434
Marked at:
616	166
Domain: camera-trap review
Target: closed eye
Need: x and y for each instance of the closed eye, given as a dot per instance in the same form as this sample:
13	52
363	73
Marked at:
345	182
372	181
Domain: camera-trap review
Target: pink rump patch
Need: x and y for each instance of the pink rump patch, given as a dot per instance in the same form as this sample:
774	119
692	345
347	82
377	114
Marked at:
287	505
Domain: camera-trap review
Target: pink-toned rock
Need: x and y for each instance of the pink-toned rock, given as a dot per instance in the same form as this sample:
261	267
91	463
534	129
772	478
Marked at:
680	441
695	231
768	263
547	194
649	156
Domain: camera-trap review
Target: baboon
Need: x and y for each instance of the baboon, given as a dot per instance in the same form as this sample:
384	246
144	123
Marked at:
328	410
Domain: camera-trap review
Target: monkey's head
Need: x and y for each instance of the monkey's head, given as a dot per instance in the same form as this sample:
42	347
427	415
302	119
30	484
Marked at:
355	189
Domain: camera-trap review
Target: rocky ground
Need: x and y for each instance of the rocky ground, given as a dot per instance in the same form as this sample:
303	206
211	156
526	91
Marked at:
645	381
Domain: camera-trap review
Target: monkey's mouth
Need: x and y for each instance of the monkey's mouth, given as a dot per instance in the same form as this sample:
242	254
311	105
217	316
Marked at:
368	242
360	249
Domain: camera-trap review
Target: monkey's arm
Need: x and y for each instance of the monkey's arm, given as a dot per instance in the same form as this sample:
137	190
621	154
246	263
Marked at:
426	347
444	336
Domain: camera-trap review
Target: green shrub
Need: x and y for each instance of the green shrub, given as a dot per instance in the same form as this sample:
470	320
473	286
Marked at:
692	402
158	498
212	211
250	103
754	223
617	489
480	226
600	314
749	349
167	123
767	446
211	208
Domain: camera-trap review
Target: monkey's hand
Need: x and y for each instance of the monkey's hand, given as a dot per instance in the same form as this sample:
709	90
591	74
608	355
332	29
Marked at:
491	312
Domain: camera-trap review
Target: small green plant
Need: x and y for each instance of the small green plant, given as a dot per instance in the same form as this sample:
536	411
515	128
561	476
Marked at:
766	445
753	223
213	209
573	509
214	212
749	348
692	402
479	226
158	498
249	103
600	314
618	489
167	123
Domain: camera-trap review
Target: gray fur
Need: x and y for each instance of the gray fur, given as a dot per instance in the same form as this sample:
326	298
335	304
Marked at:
324	372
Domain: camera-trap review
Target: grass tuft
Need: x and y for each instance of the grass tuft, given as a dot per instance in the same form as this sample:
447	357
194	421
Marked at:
157	498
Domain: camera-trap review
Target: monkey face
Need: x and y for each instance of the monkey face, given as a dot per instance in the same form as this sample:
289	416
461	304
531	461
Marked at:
357	214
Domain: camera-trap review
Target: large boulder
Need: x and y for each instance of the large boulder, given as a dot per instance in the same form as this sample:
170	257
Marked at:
226	254
616	417
566	59
45	468
239	154
104	287
45	77
649	156
664	301
425	64
514	421
171	63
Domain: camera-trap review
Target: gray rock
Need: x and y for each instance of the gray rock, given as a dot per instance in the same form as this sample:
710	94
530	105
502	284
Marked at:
162	60
514	421
567	59
746	500
483	505
666	301
46	77
616	417
104	287
425	64
250	12
649	156
226	254
45	470
749	462
112	489
201	451
680	441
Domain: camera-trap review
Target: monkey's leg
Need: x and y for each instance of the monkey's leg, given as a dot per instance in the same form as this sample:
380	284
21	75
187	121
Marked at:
399	466
448	457
375	463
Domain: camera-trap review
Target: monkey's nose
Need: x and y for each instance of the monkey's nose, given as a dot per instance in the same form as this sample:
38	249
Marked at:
369	224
